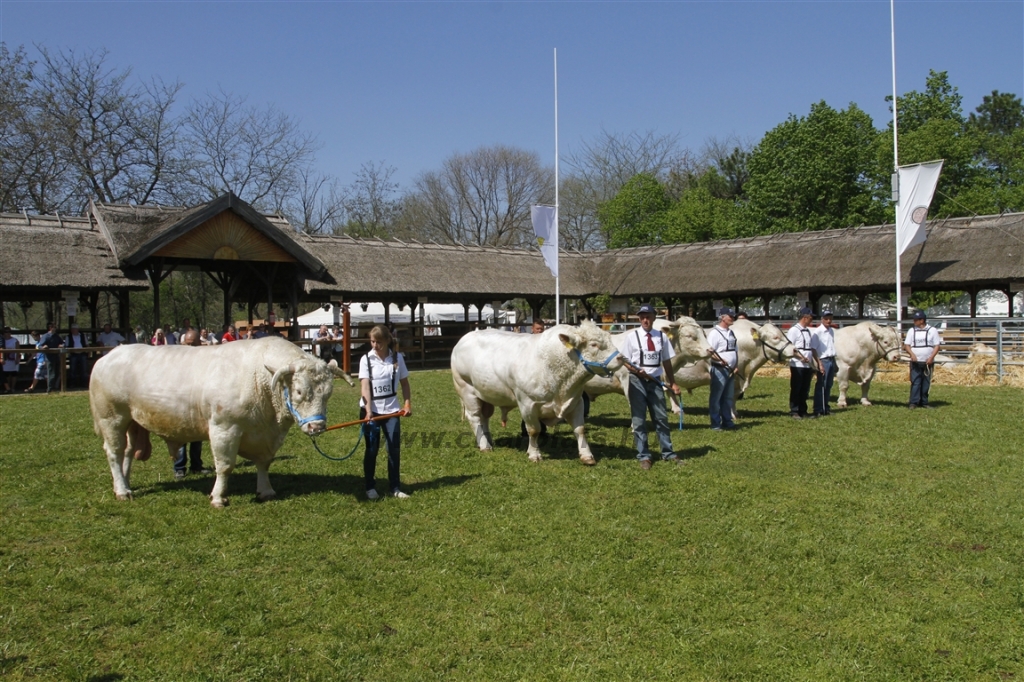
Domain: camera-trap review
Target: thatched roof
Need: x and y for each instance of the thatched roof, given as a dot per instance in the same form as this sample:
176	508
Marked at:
372	269
41	255
986	252
136	233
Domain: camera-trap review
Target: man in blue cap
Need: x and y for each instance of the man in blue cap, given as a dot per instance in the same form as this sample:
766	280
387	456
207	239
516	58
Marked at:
649	354
922	344
825	341
803	364
723	368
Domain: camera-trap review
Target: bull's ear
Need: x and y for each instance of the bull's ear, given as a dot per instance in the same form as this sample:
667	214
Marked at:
280	375
339	372
756	335
570	341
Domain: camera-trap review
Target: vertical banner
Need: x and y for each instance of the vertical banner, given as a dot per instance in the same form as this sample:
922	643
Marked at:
544	227
917	187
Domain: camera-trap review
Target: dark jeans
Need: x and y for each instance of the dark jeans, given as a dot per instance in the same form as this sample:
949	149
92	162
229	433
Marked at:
823	386
53	371
799	389
720	401
392	430
78	366
644	397
920	382
194	453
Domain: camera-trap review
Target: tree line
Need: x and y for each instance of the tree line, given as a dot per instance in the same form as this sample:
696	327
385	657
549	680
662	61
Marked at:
74	128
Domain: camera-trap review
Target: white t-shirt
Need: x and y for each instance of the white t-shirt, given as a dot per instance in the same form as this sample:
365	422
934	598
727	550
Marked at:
723	342
110	340
384	381
803	341
825	341
636	351
922	341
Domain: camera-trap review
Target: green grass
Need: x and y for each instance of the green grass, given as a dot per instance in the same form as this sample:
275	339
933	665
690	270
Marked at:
878	544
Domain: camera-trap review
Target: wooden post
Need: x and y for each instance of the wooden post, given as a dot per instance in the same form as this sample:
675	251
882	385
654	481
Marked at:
860	305
346	335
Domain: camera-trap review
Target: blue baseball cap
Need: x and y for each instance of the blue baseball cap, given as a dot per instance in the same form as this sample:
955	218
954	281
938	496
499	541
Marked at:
645	308
919	315
826	313
805	311
727	311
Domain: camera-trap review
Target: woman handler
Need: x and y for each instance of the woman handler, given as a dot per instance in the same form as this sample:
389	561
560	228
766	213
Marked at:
381	371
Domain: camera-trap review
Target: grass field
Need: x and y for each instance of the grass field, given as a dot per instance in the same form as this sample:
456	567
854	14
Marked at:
877	544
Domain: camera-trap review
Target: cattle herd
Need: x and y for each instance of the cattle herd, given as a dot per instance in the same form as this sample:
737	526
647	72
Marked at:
244	397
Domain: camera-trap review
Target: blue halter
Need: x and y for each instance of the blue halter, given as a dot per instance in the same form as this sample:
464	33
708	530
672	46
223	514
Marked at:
596	368
298	418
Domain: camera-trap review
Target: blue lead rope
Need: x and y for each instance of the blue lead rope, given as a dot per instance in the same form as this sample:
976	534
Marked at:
339	459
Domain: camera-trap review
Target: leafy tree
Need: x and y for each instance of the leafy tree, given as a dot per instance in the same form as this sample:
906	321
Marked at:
812	173
637	215
997	131
700	216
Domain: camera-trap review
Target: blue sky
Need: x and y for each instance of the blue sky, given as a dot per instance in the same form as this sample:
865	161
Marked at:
409	84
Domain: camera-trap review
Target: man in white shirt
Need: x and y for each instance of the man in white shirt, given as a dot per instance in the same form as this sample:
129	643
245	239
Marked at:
922	344
108	338
825	345
803	364
649	353
723	367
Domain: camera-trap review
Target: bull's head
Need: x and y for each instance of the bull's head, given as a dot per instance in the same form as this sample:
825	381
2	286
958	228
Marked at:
593	347
689	344
888	341
774	344
306	387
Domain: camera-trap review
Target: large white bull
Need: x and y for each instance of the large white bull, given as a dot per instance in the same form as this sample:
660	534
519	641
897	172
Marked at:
755	346
541	374
242	397
689	345
858	350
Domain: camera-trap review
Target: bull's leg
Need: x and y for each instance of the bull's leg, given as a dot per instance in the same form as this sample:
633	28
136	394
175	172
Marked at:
579	427
264	491
224	444
865	386
844	384
531	418
115	446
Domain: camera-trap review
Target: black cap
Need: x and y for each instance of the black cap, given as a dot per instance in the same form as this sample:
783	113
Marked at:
727	311
645	308
826	313
919	315
805	311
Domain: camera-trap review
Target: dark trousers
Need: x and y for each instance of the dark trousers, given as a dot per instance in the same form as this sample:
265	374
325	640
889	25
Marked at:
799	389
194	453
823	386
53	371
78	365
920	382
392	432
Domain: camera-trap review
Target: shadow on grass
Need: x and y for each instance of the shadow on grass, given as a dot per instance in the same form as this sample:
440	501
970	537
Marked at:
107	677
294	485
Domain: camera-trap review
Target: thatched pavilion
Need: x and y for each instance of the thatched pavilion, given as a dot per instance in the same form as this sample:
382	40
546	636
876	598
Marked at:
257	258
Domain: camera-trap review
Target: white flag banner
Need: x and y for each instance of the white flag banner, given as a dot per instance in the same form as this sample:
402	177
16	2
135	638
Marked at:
917	186
544	227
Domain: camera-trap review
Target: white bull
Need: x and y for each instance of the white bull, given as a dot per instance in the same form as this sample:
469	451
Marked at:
755	346
858	351
541	374
235	395
688	345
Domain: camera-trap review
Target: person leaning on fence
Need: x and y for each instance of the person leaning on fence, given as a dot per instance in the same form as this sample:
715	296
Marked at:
52	340
650	354
803	364
10	361
381	372
825	345
40	359
324	342
922	344
108	338
190	455
723	371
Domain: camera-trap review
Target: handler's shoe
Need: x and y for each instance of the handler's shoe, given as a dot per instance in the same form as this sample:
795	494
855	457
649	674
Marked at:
398	494
179	475
645	464
371	494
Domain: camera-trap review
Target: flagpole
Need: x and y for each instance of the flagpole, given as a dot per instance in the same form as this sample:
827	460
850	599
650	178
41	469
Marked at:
557	297
896	167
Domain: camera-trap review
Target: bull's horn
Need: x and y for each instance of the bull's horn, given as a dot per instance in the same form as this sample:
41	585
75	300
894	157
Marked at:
339	372
280	375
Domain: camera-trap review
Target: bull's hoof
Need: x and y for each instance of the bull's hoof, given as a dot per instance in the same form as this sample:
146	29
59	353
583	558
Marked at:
841	403
219	504
535	458
125	497
588	460
486	448
865	403
266	497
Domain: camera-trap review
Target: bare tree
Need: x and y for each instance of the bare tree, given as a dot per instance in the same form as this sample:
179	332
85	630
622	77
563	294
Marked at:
482	197
371	203
319	205
599	169
259	154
